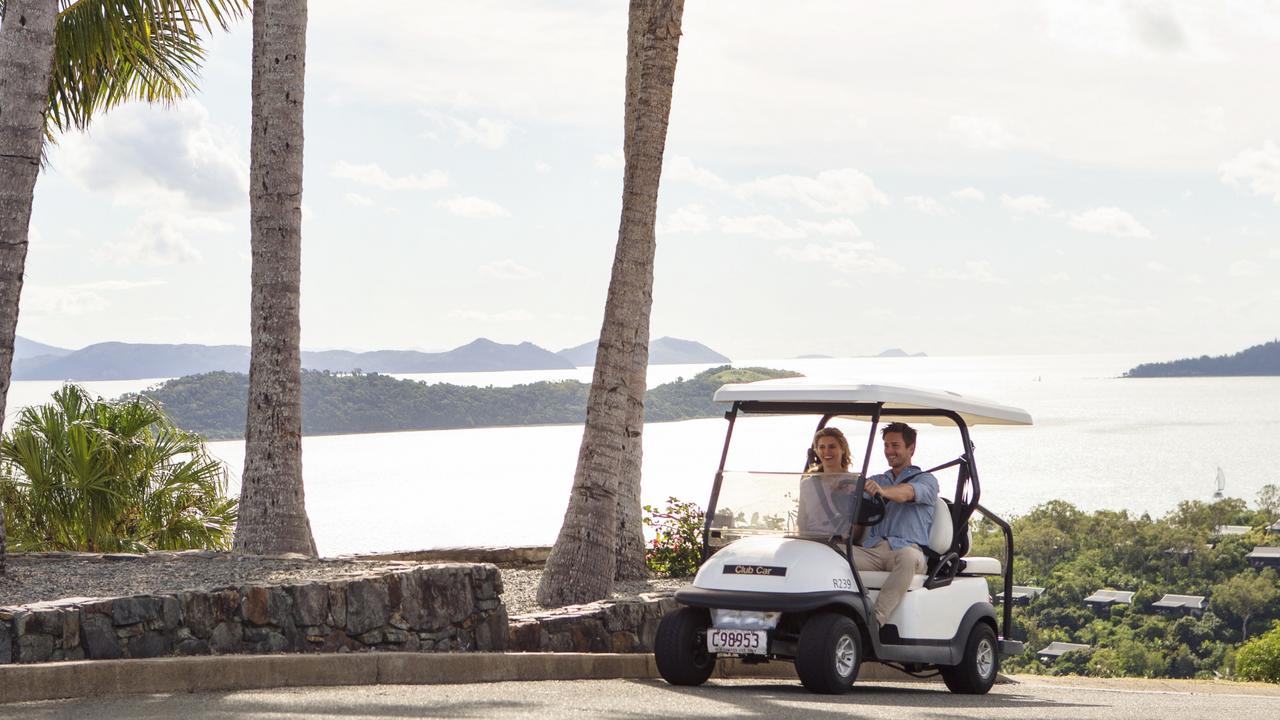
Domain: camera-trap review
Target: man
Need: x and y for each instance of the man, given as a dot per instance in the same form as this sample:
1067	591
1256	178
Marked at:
895	544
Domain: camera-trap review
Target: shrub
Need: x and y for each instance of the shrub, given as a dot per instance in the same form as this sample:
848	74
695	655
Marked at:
676	548
1259	659
90	475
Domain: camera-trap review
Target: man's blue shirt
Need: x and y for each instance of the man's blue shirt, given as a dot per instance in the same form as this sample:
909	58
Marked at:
905	523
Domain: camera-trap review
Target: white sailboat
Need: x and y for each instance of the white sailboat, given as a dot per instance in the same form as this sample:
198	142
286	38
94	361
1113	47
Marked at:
1222	483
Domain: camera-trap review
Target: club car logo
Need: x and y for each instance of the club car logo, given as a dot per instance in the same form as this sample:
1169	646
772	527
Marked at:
772	570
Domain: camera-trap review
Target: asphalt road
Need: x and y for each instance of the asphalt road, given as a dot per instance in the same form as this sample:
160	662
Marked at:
1037	698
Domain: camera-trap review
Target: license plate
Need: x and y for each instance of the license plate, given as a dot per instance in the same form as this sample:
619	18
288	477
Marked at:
742	642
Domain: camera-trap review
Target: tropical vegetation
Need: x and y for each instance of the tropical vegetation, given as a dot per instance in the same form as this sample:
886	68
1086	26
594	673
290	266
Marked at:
676	547
213	404
84	474
63	63
1261	359
1072	554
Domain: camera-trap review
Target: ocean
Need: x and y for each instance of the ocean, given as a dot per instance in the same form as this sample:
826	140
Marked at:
1099	441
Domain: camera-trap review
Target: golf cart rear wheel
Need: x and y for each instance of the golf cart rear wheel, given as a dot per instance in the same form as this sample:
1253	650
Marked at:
680	647
828	654
977	671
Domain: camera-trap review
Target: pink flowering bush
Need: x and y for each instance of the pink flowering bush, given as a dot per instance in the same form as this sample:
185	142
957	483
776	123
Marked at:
676	547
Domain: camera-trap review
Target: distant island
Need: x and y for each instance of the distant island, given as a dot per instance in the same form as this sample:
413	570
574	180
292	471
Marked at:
134	361
891	352
1258	360
213	404
663	351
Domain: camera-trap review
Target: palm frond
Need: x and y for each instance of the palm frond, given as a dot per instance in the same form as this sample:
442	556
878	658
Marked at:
107	52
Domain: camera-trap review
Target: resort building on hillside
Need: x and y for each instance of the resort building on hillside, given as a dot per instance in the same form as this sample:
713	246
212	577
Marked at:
1264	557
1022	594
1274	528
1105	599
1230	530
1055	650
1181	604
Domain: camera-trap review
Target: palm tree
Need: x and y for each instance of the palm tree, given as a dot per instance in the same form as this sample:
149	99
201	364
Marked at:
86	474
273	514
61	62
583	562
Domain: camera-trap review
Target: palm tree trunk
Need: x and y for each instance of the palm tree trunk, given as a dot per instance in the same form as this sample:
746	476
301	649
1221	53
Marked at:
629	543
273	515
26	63
583	562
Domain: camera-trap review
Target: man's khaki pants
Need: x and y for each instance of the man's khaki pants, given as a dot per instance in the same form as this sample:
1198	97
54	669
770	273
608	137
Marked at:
900	564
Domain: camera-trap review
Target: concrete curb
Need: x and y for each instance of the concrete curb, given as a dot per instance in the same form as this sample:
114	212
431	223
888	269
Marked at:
58	680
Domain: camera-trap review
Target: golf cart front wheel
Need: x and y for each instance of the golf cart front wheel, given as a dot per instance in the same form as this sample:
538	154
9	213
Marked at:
680	647
828	654
977	671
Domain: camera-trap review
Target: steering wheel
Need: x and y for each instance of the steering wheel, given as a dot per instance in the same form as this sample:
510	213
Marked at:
870	510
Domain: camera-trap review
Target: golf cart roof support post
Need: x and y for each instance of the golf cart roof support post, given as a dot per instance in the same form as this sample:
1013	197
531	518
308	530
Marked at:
857	506
731	416
1007	612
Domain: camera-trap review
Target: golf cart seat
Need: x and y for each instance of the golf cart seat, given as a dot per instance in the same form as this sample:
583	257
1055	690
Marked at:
942	557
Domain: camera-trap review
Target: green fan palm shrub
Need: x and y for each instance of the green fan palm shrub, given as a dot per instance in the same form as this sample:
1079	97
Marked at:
86	474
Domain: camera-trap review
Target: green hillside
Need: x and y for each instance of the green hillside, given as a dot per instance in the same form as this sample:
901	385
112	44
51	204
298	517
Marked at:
213	404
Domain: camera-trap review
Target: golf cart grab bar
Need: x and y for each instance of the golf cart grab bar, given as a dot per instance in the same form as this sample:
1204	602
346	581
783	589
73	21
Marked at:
1007	625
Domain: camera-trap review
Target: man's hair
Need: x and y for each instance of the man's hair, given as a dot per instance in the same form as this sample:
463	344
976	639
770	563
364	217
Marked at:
907	432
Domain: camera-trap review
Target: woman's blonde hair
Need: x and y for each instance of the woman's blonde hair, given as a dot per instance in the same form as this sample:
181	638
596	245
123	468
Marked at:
845	455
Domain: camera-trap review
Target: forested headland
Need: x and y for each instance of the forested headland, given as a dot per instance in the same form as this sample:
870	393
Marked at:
213	404
1258	360
1072	554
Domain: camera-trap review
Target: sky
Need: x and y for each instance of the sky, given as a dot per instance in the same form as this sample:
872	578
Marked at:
1014	177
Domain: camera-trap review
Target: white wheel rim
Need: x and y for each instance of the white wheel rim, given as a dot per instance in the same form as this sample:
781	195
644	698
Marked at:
846	655
986	659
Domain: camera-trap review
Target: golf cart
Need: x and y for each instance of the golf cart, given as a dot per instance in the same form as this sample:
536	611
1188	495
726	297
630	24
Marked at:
777	579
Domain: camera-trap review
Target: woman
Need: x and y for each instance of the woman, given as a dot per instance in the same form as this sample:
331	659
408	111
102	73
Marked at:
826	489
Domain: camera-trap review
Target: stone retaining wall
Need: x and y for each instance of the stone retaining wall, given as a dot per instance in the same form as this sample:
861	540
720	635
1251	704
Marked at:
609	626
433	608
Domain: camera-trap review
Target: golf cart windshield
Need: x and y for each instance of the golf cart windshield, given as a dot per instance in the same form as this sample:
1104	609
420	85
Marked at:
816	506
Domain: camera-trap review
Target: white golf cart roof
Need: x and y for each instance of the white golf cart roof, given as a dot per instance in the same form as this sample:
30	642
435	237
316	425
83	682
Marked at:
805	391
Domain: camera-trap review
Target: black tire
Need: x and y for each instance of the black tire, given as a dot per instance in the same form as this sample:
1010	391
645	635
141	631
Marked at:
977	671
680	647
828	654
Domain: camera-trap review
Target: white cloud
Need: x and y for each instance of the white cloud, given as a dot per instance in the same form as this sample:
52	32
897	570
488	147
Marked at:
1029	204
1257	169
969	193
357	199
926	205
843	191
679	168
61	301
508	269
1109	221
766	227
542	168
163	238
983	133
120	284
149	156
506	316
769	227
470	206
842	256
1058	277
373	175
1273	254
973	271
610	161
488	134
1156	266
1244	268
687	220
